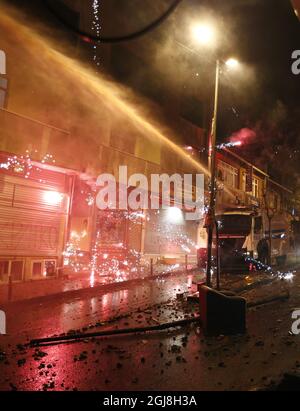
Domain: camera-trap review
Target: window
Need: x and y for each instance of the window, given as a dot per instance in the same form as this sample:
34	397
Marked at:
50	268
4	269
255	188
228	174
46	268
37	268
16	270
13	269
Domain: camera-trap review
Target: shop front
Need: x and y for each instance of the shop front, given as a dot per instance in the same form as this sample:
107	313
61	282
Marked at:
169	237
34	204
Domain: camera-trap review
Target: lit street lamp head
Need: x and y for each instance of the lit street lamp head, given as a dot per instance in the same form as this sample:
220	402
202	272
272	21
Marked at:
232	64
204	34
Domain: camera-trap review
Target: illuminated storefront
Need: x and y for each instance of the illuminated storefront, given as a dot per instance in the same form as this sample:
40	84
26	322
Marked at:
34	206
169	236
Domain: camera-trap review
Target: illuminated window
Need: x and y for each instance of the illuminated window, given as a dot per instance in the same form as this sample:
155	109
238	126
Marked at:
50	268
255	188
43	268
229	174
244	179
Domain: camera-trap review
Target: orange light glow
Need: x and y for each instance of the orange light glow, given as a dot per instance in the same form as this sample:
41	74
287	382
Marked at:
53	197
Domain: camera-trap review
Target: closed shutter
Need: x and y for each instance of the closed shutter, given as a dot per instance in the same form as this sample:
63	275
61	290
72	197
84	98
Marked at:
32	218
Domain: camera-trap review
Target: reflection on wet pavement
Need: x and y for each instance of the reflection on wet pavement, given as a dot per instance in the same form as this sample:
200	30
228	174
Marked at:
170	360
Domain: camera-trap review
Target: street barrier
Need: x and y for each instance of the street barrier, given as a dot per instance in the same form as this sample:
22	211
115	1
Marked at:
220	313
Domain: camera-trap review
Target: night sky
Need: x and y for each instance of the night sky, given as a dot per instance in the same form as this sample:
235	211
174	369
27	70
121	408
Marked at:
266	33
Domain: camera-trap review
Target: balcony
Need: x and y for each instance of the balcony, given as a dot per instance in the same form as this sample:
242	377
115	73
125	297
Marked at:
232	197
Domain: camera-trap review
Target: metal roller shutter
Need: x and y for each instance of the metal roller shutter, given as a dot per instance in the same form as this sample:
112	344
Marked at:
32	218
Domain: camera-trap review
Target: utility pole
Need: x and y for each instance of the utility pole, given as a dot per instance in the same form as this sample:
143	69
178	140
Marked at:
212	199
270	215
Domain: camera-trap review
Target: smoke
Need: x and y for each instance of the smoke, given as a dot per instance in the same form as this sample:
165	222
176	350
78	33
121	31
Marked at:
244	136
272	143
104	124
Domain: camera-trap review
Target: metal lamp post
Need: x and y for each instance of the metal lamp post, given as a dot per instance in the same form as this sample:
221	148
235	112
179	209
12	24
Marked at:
212	197
231	64
206	36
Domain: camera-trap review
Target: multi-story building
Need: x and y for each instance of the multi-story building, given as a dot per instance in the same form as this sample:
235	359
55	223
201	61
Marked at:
64	123
248	185
252	206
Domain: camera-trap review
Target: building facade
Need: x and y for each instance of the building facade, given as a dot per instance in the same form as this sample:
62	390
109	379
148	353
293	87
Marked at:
71	141
63	124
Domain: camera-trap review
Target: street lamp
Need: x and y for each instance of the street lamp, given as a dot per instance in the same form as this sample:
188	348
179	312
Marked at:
230	64
205	34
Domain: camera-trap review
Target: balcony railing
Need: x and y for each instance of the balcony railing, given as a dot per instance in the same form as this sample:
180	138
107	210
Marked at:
230	197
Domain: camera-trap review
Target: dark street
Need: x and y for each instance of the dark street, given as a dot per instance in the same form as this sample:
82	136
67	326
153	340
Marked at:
180	359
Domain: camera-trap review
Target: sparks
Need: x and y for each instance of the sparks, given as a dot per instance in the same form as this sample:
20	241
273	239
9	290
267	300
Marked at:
229	145
96	27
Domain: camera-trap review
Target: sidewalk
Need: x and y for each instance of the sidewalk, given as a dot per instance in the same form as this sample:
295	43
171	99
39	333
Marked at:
85	284
77	284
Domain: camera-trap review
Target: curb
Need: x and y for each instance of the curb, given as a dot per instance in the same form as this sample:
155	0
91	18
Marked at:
103	288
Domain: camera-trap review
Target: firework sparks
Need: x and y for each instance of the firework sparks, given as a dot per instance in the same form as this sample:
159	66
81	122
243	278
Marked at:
23	165
229	145
96	27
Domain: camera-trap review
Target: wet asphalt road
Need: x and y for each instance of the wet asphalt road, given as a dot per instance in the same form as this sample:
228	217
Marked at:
181	359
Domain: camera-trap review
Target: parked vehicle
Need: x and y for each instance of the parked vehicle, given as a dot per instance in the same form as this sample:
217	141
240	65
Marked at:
241	233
